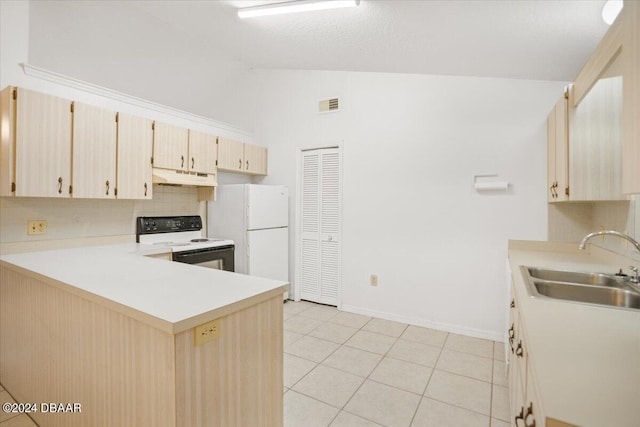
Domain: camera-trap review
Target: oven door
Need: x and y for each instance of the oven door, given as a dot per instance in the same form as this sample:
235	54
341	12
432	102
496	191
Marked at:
220	257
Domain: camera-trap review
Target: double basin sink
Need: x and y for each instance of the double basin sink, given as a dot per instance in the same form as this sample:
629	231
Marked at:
587	288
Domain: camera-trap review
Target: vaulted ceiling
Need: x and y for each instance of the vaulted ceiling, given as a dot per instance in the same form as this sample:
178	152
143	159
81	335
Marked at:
528	39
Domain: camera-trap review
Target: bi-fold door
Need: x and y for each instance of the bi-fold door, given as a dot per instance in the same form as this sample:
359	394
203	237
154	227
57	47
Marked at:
320	243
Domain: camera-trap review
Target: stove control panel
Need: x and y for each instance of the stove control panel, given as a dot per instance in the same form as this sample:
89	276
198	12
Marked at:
167	224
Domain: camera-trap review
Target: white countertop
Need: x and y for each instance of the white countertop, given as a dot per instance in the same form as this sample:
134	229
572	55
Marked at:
585	358
169	295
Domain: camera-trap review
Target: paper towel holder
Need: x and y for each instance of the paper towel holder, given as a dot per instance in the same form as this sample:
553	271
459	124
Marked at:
489	185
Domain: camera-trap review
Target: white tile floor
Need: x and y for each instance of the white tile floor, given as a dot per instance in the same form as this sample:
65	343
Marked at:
343	369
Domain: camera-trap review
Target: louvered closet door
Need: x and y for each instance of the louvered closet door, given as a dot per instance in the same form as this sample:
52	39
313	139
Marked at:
320	239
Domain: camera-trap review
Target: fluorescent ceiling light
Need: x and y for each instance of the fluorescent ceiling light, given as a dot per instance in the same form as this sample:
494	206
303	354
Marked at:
294	6
611	10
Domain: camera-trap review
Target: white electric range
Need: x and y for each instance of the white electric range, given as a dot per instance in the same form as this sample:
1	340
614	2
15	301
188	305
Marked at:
182	235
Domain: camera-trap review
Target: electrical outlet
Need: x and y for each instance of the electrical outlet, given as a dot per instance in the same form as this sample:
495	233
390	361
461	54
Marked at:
373	280
206	332
36	227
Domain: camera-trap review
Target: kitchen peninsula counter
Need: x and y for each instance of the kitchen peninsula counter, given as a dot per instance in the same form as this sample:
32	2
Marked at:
113	329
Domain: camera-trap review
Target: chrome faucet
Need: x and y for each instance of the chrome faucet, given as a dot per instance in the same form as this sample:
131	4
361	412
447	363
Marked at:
635	243
635	279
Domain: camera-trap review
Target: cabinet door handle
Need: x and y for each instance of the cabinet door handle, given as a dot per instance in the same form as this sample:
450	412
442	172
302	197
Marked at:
513	303
239	163
59	185
512	336
145	189
529	422
181	161
107	184
555	190
192	162
247	164
519	351
519	417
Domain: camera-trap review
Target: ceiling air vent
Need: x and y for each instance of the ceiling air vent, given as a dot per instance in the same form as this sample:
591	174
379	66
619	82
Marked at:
329	105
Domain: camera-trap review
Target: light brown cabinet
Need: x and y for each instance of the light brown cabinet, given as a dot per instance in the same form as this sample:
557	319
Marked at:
557	152
604	106
234	156
135	147
255	159
183	149
203	152
170	147
630	17
525	405
52	147
94	152
600	126
36	144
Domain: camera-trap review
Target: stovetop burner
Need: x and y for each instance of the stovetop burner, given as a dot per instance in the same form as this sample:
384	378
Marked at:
199	240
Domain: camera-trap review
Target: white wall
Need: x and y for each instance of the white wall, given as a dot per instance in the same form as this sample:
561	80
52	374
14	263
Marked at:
116	45
411	145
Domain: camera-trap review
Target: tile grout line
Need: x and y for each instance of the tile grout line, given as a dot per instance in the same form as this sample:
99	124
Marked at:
372	371
319	363
356	390
429	380
386	354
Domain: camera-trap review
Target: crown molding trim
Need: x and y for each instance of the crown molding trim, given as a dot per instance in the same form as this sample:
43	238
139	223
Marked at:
41	73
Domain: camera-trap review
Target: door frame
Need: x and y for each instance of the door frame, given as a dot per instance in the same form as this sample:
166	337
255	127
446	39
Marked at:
298	216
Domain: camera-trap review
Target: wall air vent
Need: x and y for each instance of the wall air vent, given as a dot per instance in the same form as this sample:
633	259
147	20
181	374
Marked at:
329	105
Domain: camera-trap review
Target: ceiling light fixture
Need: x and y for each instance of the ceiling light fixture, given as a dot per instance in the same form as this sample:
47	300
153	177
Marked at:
294	6
611	10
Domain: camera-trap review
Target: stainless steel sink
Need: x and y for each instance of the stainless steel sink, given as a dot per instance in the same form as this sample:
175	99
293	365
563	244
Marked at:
580	287
597	279
589	294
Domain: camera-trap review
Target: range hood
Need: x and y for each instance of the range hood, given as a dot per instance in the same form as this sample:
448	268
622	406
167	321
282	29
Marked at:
174	177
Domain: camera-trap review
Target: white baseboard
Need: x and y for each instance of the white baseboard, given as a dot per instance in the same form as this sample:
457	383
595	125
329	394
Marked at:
447	327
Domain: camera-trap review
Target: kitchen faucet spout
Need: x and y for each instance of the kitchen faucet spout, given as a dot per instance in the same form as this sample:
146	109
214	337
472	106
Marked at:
634	242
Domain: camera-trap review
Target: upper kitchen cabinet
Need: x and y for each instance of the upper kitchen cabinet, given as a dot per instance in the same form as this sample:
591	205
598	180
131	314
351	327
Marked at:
255	159
135	147
230	155
631	99
202	152
604	106
595	137
170	147
557	140
36	144
94	152
234	156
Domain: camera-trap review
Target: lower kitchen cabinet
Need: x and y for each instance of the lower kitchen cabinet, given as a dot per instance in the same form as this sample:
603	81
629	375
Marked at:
525	401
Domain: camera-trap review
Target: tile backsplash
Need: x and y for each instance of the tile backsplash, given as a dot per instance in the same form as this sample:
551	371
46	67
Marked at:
570	222
81	218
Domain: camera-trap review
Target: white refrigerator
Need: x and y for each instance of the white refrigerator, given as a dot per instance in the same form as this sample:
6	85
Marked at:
256	218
